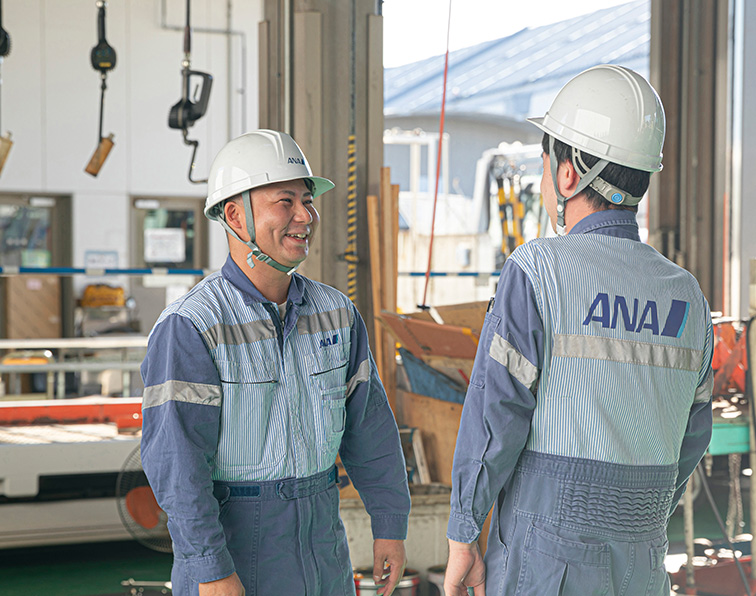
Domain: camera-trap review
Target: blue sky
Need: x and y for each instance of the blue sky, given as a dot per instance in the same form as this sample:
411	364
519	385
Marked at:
417	29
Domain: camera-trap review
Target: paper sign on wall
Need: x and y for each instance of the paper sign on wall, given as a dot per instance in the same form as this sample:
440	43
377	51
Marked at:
164	245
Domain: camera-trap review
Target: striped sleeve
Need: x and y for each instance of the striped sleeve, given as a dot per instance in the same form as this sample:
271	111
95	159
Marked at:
700	420
499	403
181	414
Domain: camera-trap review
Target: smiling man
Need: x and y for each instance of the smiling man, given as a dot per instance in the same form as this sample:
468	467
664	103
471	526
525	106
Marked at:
254	382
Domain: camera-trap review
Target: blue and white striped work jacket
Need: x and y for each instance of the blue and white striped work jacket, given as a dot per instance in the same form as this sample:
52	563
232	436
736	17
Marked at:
234	394
597	348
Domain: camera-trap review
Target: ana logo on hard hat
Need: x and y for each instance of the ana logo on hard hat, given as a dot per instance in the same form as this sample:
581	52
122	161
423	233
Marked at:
296	160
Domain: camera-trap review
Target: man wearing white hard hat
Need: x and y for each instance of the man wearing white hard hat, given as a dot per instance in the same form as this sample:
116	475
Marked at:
254	382
590	399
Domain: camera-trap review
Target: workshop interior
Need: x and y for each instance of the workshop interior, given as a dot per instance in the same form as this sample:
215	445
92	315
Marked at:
110	115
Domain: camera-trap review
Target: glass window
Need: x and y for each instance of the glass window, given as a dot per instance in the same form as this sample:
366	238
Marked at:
25	235
168	233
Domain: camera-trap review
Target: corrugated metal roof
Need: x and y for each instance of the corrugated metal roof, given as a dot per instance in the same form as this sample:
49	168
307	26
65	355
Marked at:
519	75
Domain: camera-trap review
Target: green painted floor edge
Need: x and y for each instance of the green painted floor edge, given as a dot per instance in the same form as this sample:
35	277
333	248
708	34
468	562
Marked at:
96	569
79	569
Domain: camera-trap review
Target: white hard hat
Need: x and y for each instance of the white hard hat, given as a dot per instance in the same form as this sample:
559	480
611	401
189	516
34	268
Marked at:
256	159
611	112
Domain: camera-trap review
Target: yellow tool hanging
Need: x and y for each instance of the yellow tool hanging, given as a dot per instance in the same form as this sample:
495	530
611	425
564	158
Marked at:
511	210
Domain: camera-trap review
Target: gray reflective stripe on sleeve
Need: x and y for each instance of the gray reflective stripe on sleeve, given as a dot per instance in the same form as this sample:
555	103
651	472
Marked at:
193	393
518	366
246	333
361	376
703	391
627	351
323	321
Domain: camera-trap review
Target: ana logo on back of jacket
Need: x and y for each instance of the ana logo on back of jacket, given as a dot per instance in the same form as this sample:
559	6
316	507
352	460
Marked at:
329	341
601	312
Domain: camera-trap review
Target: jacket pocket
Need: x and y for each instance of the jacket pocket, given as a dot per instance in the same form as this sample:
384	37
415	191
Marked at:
328	371
490	326
253	435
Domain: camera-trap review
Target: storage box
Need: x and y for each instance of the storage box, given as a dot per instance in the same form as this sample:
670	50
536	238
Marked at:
31	307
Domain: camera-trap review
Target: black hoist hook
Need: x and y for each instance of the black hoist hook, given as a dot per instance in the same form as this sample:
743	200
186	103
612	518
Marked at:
186	112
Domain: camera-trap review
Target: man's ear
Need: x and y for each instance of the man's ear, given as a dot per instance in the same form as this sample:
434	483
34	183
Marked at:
234	216
567	178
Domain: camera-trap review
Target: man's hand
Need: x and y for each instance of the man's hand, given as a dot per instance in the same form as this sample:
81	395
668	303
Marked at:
388	558
465	569
228	586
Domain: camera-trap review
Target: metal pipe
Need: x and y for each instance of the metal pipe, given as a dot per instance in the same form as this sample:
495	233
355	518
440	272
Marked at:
736	162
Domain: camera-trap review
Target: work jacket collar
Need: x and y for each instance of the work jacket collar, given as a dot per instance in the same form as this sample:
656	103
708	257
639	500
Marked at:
619	223
236	277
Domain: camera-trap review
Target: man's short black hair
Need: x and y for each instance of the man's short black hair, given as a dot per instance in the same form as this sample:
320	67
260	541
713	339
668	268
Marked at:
632	181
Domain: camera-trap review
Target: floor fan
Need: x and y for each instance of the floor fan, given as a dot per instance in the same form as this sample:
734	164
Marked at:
143	518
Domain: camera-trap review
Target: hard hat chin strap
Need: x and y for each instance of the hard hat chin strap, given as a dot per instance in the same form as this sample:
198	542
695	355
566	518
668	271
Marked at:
585	180
256	252
611	193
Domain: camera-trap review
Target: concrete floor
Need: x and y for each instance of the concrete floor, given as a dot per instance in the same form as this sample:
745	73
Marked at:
97	569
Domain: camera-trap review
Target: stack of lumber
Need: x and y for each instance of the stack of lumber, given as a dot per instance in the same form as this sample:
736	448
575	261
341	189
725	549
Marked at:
438	356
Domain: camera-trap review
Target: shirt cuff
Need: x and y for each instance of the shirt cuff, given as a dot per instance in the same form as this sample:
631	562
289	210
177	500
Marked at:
463	528
389	527
209	568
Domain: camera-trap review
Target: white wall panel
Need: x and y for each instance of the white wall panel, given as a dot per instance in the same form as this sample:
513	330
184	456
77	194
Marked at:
51	94
23	95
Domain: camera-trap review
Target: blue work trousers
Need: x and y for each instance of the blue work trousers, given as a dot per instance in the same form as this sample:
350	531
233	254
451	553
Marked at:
285	537
577	527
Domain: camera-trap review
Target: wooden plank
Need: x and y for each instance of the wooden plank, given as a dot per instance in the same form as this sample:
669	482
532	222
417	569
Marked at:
374	239
414	455
422	315
424	338
390	351
387	263
387	246
438	422
394	238
470	315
